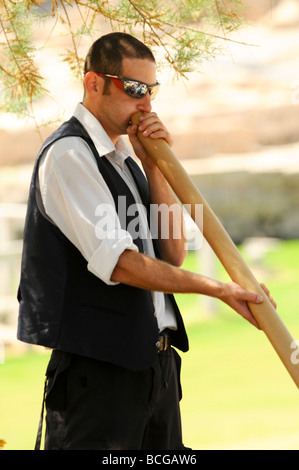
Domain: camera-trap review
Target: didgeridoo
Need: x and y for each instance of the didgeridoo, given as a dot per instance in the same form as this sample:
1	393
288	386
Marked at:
223	247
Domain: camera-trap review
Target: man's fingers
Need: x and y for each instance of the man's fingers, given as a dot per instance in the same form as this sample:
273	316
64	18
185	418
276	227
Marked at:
253	298
249	317
151	126
265	289
267	292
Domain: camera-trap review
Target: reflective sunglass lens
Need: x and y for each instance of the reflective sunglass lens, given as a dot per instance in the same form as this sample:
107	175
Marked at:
136	89
153	91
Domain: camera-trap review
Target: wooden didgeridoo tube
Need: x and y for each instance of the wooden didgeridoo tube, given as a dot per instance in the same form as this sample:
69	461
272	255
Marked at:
223	246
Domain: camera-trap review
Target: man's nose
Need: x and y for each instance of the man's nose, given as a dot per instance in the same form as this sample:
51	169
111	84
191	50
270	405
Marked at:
145	104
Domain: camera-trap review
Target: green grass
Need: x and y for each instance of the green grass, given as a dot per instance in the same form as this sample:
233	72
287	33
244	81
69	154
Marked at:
236	392
21	391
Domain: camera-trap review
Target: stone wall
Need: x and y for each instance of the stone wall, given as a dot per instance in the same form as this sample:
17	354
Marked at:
254	204
241	131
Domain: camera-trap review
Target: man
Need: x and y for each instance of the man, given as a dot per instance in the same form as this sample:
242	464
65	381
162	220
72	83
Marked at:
99	294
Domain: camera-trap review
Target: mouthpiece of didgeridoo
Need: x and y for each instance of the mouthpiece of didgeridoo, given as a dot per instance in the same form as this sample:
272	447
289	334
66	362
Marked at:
223	247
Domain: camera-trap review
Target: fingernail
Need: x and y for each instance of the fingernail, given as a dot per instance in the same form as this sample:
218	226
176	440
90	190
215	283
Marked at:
259	298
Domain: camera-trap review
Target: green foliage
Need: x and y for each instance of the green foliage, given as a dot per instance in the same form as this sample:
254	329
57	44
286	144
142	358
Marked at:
18	73
180	32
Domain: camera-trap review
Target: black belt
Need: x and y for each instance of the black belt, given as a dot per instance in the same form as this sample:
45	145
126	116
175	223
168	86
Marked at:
164	341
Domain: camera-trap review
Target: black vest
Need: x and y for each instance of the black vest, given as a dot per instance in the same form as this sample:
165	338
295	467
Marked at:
63	305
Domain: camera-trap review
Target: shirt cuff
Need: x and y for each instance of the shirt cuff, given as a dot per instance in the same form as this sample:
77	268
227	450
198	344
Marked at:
105	258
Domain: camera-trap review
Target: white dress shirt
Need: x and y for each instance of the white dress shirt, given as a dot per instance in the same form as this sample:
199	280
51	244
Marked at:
72	188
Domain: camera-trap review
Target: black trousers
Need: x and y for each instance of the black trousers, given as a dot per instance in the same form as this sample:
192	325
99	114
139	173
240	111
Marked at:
94	405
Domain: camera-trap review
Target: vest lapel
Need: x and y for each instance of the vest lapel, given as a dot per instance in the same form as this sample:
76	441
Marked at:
145	195
139	179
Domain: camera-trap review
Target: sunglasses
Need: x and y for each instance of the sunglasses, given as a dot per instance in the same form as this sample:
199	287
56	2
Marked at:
133	88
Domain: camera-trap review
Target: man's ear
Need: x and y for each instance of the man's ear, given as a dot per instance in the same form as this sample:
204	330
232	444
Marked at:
92	84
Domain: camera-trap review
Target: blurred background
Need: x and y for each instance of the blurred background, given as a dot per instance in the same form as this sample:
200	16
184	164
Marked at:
235	127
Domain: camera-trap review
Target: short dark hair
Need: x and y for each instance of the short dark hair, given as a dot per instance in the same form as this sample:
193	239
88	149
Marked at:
107	53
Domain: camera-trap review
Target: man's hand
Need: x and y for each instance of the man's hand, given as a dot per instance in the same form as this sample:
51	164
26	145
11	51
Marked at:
153	127
237	298
150	126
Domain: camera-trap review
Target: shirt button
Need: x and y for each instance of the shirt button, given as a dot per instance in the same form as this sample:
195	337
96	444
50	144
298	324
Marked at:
158	344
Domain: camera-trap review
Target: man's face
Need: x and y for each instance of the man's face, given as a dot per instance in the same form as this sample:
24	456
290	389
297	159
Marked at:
116	108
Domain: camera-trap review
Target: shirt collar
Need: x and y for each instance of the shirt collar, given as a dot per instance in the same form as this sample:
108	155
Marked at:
101	140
